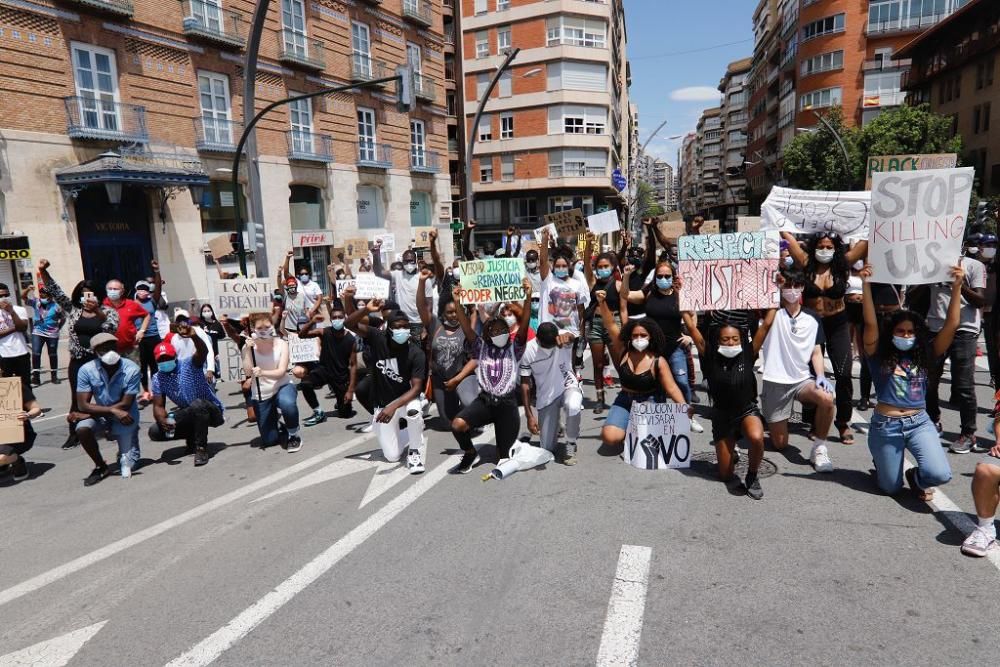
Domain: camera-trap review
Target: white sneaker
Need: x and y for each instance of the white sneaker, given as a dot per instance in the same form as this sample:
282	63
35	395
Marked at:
126	470
414	462
978	543
820	459
696	426
369	428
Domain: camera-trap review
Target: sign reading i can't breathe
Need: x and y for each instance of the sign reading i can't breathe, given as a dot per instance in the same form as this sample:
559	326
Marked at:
658	436
491	281
918	224
728	271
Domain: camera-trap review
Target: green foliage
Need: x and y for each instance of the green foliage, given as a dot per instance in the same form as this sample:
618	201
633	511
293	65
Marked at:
654	210
643	200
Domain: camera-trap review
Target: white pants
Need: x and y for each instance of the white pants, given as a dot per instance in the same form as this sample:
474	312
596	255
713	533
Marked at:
548	418
389	437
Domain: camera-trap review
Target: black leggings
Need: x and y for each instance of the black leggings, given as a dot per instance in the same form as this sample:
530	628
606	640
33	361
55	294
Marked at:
147	367
499	411
837	330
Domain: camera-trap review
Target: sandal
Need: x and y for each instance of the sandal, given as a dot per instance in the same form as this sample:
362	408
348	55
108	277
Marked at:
846	436
925	495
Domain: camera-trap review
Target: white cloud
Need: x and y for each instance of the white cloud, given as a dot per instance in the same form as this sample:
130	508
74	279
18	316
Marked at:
696	94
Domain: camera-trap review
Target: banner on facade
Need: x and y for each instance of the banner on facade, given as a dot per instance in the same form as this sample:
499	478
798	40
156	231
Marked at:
302	350
241	295
567	223
658	436
881	163
491	280
313	238
918	224
729	271
810	212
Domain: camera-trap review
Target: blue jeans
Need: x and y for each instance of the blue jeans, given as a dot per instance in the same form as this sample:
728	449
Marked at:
127	436
679	369
37	343
890	437
285	401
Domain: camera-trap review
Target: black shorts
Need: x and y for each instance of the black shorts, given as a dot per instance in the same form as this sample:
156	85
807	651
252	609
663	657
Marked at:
855	313
730	424
320	377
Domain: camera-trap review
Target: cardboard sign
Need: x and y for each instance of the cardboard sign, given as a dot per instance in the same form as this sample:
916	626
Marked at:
551	229
242	295
220	246
748	224
670	228
567	223
230	361
918	224
11	405
302	350
312	239
882	163
658	436
811	212
356	248
604	223
710	227
491	281
367	286
422	237
729	271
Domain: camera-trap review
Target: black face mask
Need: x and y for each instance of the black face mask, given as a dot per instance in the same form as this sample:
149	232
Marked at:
636	260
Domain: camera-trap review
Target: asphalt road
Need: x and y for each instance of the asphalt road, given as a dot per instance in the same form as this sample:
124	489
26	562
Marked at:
269	558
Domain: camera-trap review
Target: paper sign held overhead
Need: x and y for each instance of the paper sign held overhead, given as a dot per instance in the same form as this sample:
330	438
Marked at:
11	405
710	227
220	246
748	224
728	271
811	212
367	286
356	248
658	436
388	241
422	237
671	229
491	281
604	223
568	223
242	295
881	163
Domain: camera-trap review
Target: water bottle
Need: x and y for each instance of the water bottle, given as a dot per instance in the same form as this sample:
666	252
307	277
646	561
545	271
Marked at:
171	426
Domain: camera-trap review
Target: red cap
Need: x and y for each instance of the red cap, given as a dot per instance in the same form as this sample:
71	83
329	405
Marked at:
291	280
164	349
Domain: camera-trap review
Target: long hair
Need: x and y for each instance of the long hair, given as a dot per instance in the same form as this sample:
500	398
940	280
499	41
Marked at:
838	267
87	286
650	287
657	341
921	353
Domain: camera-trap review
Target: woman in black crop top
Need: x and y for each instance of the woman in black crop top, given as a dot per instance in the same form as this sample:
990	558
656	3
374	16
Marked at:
637	352
826	262
602	275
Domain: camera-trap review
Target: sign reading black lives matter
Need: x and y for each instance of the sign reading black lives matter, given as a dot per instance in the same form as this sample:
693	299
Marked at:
659	436
809	212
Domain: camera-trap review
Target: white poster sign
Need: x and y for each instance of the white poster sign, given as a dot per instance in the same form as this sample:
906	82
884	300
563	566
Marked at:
604	223
811	212
388	241
659	436
918	224
230	361
242	295
366	285
302	350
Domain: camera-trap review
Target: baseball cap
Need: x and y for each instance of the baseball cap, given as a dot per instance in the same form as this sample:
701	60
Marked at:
291	280
397	316
164	349
143	285
181	313
101	339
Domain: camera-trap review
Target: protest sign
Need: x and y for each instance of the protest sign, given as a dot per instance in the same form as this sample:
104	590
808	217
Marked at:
671	229
491	281
567	223
230	361
242	295
658	436
728	271
811	212
881	163
551	229
422	237
220	246
748	224
388	241
366	285
918	223
604	223
302	350
11	405
356	248
710	227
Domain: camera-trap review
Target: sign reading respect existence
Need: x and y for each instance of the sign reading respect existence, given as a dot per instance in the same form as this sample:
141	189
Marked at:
880	163
491	281
242	295
918	224
729	271
811	212
659	436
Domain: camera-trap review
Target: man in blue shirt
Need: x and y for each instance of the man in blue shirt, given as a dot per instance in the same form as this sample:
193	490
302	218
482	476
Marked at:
106	390
183	382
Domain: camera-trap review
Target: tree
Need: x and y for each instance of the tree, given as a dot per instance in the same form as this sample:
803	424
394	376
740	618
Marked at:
815	161
643	200
654	210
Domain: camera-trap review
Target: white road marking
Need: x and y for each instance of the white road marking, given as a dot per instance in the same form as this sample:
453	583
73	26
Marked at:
52	652
206	651
328	473
77	564
387	475
623	624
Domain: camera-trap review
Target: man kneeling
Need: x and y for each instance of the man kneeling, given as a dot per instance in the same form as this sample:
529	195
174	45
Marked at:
986	494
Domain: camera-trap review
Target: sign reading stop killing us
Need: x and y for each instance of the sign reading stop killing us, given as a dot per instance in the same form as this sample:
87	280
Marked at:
492	280
918	224
729	271
659	436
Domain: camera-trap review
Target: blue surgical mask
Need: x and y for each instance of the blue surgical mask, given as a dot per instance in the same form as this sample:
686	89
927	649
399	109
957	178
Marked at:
44	302
401	335
167	366
665	283
337	324
561	273
903	344
788	261
603	274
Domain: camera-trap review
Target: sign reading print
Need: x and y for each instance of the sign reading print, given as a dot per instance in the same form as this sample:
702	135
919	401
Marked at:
728	271
491	281
658	436
811	212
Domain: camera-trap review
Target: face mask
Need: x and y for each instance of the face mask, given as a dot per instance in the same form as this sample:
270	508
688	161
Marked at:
142	296
207	315
304	278
114	294
531	265
456	273
972	251
511	320
791	295
337	324
534	308
640	344
561	273
788	261
730	351
603	274
401	335
450	324
825	256
665	283
579	266
264	334
167	366
4	300
903	344
635	261
410	267
44	302
989	253
500	340
110	358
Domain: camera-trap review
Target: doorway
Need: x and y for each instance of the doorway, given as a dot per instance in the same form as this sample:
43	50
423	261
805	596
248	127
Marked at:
114	239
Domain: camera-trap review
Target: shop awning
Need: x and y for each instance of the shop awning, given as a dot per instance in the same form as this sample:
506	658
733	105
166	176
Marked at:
154	170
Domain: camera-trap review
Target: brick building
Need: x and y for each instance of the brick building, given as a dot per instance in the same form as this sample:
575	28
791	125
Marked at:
119	118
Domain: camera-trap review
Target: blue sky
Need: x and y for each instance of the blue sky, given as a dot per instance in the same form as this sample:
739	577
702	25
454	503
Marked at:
668	74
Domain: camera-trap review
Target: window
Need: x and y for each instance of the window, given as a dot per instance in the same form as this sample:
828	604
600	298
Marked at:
418	144
371	210
366	134
981	118
575	75
577	120
577	163
504	84
557	204
506	168
482	83
988	68
300	115
818	99
482	44
823	26
293	20
413	57
488	211
987	108
480	7
503	5
218	214
507	125
486	170
523	211
213	92
503	38
485	129
883	89
97	87
576	31
361	49
208	15
823	63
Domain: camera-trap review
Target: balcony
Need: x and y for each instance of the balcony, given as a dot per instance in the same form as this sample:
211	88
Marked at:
419	12
424	161
904	24
364	68
216	135
116	7
309	147
788	58
297	49
207	21
786	119
373	155
105	120
885	64
423	88
576	171
453	146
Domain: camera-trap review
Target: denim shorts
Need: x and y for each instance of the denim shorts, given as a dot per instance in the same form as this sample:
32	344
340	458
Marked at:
619	413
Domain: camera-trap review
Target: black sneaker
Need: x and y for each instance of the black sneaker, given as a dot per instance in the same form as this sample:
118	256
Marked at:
200	456
753	486
318	417
20	469
294	444
735	486
864	405
96	475
71	441
468	462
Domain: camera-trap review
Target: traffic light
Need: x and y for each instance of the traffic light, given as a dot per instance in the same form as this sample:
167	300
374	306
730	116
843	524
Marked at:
404	89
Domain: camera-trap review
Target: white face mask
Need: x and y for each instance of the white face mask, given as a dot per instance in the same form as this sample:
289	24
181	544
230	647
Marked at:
973	250
989	253
791	295
510	320
825	256
114	294
500	340
531	265
730	351
640	344
207	315
410	268
110	358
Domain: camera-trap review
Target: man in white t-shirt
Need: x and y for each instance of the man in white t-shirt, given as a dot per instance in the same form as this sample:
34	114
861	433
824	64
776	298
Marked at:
406	282
564	297
15	357
793	369
556	390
